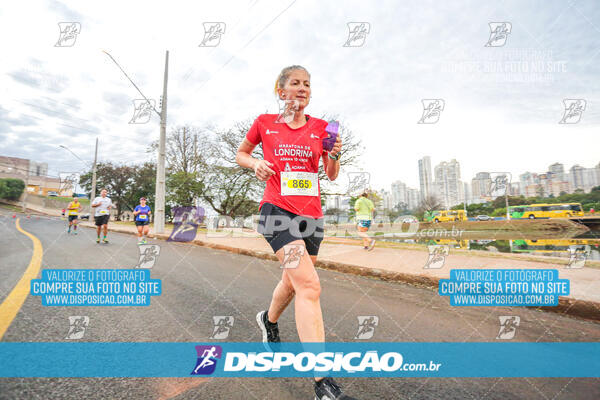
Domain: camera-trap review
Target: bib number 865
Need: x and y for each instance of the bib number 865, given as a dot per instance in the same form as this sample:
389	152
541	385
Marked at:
299	183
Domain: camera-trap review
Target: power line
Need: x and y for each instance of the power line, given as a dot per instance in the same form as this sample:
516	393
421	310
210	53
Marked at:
134	85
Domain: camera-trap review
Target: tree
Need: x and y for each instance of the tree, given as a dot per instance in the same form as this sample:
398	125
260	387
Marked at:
231	193
186	149
144	184
401	207
11	189
118	180
427	205
184	188
540	191
233	190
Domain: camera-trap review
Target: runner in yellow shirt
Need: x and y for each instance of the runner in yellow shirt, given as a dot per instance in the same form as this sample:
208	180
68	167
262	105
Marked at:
73	210
364	214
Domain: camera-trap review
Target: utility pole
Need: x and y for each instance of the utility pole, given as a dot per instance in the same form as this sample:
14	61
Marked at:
93	194
506	177
159	215
506	202
465	197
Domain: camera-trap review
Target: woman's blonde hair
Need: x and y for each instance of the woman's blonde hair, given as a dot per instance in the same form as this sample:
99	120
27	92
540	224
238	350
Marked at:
284	75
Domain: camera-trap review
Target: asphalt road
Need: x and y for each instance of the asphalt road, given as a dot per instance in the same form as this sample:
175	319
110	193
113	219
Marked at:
199	283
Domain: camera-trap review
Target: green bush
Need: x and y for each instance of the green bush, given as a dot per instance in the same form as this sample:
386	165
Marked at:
11	189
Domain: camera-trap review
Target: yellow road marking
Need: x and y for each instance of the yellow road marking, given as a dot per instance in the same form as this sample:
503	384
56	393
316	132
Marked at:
15	299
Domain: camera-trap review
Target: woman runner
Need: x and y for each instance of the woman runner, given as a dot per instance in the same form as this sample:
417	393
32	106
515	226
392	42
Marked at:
291	218
142	220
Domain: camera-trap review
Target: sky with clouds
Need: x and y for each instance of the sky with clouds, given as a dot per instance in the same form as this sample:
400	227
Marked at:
502	104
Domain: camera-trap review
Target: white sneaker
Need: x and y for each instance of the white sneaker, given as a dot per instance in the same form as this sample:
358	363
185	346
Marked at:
371	245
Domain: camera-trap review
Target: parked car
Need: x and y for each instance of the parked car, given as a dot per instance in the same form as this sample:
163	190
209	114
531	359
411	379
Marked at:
52	194
84	216
483	218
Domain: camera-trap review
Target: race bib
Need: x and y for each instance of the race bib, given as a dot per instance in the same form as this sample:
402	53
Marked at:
103	212
299	184
143	217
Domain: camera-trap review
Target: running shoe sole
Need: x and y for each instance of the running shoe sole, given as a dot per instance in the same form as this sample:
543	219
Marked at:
263	329
371	245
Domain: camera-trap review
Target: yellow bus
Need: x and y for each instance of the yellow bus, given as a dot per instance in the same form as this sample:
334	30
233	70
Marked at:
554	245
446	216
556	210
453	243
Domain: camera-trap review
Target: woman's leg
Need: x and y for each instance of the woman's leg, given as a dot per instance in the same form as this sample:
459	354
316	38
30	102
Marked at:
139	229
362	232
282	296
307	288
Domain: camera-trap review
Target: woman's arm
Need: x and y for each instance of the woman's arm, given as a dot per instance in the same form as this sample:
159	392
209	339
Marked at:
244	159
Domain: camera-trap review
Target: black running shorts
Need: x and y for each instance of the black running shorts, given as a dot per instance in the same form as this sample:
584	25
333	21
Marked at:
281	227
142	223
72	217
101	220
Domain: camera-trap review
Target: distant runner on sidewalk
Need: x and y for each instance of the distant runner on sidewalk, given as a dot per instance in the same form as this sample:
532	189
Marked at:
364	215
102	205
74	208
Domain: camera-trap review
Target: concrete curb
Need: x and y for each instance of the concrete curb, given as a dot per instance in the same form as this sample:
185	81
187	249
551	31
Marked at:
589	310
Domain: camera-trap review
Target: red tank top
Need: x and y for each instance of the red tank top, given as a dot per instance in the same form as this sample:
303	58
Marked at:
291	150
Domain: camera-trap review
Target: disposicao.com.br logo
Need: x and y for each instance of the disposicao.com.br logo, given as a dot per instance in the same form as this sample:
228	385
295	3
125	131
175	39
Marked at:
296	359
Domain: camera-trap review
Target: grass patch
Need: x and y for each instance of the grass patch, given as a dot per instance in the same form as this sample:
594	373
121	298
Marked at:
11	207
63	199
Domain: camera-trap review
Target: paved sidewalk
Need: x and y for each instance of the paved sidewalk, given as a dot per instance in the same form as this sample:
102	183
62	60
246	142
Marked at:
406	264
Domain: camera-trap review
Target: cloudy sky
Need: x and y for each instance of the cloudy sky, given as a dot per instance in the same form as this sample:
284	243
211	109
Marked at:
502	103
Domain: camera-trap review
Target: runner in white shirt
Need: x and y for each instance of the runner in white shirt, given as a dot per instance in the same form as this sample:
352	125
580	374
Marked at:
102	205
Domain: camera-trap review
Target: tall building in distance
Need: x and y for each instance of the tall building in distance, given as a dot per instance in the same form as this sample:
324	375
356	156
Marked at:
403	197
399	194
467	193
414	198
576	175
425	177
480	185
584	178
448	187
557	171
